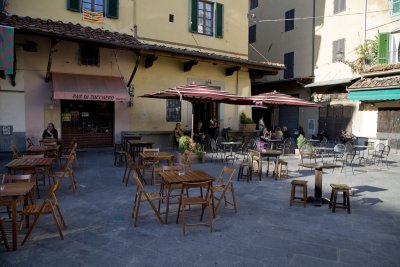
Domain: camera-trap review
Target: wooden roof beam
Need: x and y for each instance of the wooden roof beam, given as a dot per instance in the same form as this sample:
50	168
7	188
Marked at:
187	66
231	70
149	60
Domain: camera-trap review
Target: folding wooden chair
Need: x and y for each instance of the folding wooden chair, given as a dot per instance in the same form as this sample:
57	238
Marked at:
67	153
29	142
150	164
142	195
202	199
49	206
67	169
131	166
3	234
223	185
15	151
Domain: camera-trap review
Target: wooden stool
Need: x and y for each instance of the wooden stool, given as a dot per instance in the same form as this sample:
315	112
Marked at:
279	168
244	166
120	155
345	189
293	198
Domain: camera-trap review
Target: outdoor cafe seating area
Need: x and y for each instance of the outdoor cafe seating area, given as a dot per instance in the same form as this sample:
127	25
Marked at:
240	189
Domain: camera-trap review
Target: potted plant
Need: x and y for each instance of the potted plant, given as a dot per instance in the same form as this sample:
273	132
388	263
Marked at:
246	123
188	148
301	141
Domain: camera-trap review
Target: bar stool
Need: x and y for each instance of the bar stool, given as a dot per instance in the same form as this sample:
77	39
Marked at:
120	155
281	163
302	200
345	189
245	166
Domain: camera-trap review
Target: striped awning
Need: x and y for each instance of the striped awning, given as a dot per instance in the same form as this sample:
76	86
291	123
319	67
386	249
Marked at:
200	93
276	98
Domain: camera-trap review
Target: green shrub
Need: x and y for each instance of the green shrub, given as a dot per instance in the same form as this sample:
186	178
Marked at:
244	119
301	141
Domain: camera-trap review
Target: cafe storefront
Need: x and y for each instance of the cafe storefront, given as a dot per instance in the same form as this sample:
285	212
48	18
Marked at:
88	107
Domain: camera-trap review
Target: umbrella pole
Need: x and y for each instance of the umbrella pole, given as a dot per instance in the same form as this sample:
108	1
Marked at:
192	123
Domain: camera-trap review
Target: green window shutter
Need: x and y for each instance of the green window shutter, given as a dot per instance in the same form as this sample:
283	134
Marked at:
383	48
112	9
219	22
74	5
193	15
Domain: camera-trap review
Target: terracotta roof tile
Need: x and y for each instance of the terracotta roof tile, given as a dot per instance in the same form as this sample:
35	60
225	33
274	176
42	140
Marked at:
384	67
376	82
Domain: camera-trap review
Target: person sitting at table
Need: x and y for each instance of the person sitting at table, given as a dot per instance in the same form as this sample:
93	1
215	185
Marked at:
265	136
50	132
178	132
214	128
277	134
285	132
198	133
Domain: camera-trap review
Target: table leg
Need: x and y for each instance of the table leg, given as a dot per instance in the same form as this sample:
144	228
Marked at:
14	224
167	203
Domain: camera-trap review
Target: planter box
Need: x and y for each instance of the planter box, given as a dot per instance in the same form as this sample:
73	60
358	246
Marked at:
247	127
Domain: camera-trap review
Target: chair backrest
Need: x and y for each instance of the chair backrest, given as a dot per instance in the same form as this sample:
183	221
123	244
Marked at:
39	156
386	150
349	147
29	142
51	198
186	186
339	148
49	143
379	147
140	187
213	145
149	150
15	151
226	176
324	141
15	178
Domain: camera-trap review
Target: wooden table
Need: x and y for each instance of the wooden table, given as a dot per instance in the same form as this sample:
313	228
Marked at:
13	191
157	156
270	153
42	149
318	167
127	137
21	164
136	146
172	177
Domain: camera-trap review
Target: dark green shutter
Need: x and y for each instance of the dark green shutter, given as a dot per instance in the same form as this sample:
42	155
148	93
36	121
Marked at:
396	7
219	22
74	5
112	9
193	15
383	48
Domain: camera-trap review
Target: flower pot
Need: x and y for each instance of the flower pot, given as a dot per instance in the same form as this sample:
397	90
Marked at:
247	127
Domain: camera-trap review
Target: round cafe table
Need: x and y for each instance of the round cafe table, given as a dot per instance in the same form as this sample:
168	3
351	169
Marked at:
231	144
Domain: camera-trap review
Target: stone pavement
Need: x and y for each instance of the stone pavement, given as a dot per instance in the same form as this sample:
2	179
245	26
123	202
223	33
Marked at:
266	231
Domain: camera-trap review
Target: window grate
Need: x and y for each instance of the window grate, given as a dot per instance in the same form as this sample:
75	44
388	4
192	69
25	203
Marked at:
89	55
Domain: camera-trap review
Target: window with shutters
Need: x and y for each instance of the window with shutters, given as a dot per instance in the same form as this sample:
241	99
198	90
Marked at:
253	4
173	110
109	8
252	34
206	18
338	50
396	7
394	48
339	6
89	55
289	65
289	20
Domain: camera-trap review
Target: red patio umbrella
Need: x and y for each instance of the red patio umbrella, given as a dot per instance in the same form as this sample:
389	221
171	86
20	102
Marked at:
275	98
196	93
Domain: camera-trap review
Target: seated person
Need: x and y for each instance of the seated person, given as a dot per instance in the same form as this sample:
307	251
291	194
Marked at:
214	128
198	133
178	132
285	132
322	134
277	134
265	134
50	132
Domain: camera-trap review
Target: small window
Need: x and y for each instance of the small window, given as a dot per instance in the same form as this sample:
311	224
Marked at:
253	4
289	65
89	55
338	50
252	34
109	8
339	6
205	18
289	20
173	110
396	7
